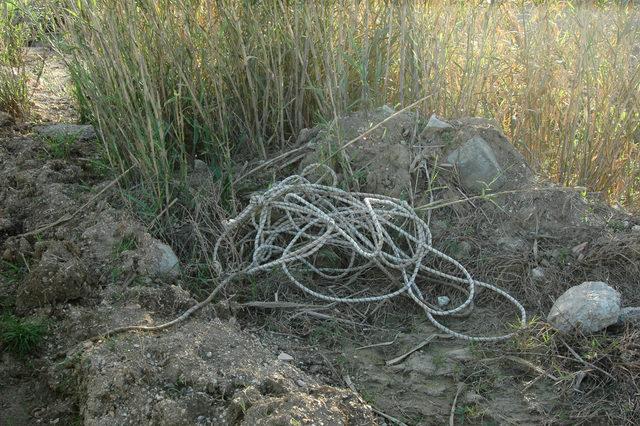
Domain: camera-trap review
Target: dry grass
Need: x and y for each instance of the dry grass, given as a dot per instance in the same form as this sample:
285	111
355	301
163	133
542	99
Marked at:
596	376
14	85
171	80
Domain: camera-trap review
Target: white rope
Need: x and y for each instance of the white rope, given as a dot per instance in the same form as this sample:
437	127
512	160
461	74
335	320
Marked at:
295	219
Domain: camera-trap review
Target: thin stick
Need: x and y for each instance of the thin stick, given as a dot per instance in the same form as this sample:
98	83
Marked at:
64	219
453	406
171	323
588	364
425	342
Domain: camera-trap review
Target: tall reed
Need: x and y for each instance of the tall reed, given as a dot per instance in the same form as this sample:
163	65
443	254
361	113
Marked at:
168	81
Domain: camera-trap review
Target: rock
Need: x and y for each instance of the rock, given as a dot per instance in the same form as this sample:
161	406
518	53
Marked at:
435	122
537	273
629	316
285	357
5	119
586	308
307	135
461	354
156	259
79	132
511	243
443	301
464	249
477	166
635	228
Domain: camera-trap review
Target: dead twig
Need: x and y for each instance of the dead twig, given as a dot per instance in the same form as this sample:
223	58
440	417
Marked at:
453	405
425	342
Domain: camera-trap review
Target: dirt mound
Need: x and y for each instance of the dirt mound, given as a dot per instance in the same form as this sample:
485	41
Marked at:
98	268
207	372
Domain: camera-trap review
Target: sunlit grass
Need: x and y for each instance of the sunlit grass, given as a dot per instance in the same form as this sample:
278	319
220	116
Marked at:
167	81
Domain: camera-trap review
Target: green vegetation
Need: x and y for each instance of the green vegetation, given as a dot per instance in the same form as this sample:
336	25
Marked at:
166	81
20	336
14	35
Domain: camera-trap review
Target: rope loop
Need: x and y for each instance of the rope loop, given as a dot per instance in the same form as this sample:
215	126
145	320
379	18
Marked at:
297	224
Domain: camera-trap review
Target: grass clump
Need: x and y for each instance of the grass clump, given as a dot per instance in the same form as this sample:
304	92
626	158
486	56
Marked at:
21	336
14	82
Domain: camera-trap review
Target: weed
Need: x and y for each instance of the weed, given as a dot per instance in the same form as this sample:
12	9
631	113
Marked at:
127	243
60	147
21	336
13	272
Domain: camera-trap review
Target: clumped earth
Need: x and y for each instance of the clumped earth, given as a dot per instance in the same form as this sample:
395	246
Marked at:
76	260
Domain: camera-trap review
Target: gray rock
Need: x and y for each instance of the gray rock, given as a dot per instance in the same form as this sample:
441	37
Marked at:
537	273
5	119
477	166
443	301
80	132
511	243
157	259
586	308
283	356
630	316
635	228
435	122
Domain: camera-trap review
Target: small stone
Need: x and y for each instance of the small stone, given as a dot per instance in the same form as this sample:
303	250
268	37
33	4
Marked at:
443	301
55	421
301	383
586	308
460	354
630	316
209	354
285	357
435	122
511	243
537	273
635	228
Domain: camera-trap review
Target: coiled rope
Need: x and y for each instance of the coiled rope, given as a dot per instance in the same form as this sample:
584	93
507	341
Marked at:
295	220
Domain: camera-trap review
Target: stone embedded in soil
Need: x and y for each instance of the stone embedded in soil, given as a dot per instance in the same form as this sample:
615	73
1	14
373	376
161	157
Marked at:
586	308
285	357
435	122
156	259
79	132
629	316
537	273
477	166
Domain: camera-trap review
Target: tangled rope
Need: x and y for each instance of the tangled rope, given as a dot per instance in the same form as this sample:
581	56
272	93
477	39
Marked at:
293	222
296	220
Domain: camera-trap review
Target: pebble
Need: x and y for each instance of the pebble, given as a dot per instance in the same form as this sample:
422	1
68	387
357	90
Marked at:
285	357
209	354
635	228
443	301
537	273
301	383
